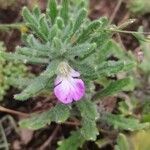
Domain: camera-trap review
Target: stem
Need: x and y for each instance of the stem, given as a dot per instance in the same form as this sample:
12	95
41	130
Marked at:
3	109
49	140
127	32
115	11
72	123
14	26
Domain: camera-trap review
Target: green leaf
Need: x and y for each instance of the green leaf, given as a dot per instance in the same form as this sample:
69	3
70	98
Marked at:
73	142
115	87
89	129
110	68
67	31
64	13
24	58
51	69
101	38
29	18
43	25
31	52
60	22
38	84
79	20
119	51
36	12
122	143
122	123
59	114
89	115
36	121
87	109
40	34
20	82
105	52
113	67
86	70
112	48
53	32
57	45
90	29
35	43
81	50
52	10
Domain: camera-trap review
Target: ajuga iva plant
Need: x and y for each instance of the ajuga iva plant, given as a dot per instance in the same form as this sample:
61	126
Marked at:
77	56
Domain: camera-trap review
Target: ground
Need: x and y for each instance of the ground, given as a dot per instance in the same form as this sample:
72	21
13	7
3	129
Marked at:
29	140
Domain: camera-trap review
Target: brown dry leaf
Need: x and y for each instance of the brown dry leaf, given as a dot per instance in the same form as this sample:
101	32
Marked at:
26	135
108	103
16	145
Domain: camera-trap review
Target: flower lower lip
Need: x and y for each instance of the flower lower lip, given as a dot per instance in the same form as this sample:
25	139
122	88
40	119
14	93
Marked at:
69	88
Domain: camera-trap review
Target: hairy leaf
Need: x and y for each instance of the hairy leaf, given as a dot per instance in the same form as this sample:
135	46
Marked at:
122	143
36	12
90	29
38	84
25	59
29	18
65	10
52	10
89	115
79	20
122	123
73	142
59	114
43	25
115	87
112	67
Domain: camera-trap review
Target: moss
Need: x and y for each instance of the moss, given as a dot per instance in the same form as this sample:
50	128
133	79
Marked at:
9	70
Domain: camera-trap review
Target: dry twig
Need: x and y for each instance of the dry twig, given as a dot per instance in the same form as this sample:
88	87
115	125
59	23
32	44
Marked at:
49	140
3	109
115	11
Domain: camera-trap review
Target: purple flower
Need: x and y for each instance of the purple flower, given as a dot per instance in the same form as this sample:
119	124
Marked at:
68	86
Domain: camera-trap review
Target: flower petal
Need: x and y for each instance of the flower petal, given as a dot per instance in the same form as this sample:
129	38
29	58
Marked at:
78	89
69	87
63	92
74	73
